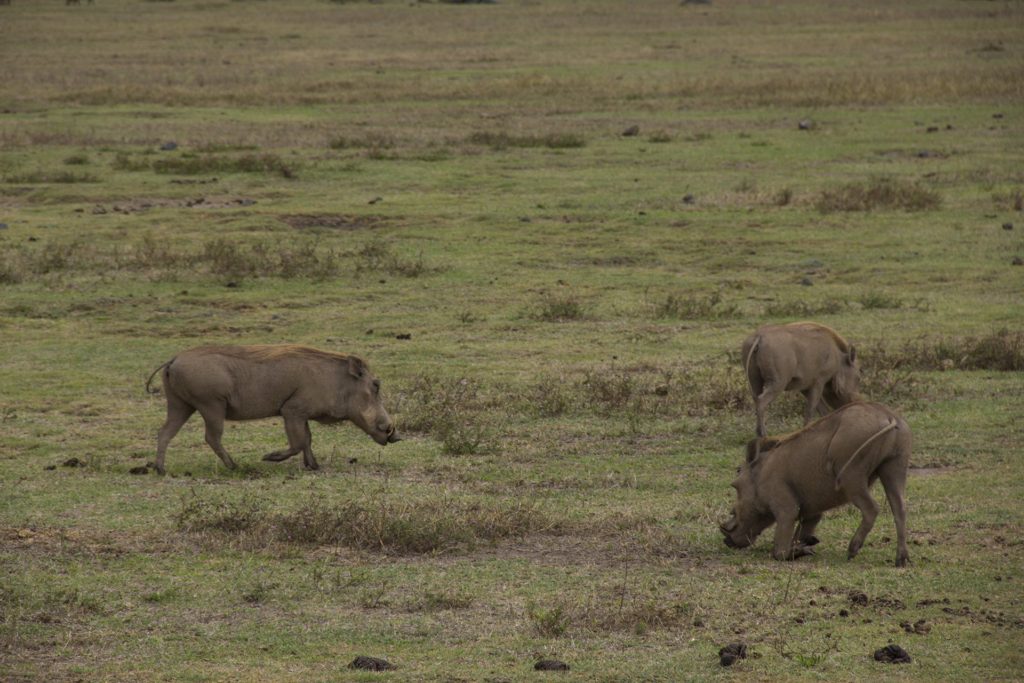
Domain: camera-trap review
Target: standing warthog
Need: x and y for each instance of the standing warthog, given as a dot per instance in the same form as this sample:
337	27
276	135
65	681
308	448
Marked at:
252	382
791	480
806	357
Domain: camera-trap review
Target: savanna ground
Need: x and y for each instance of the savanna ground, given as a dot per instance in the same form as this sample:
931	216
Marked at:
554	308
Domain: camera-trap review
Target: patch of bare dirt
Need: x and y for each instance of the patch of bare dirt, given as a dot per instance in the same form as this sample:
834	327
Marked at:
147	203
332	221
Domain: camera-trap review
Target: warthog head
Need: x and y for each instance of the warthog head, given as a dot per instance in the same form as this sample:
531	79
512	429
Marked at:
749	516
844	387
365	407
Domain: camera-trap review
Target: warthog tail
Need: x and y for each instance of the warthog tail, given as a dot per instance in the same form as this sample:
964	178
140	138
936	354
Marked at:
750	354
150	380
883	430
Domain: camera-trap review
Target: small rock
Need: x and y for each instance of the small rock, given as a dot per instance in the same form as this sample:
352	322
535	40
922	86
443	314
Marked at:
807	282
732	652
375	200
1017	261
141	469
1006	226
892	654
997	116
353	461
689	199
631	131
932	129
232	284
3	226
844	612
806	124
403	335
73	462
550	665
169	146
371	664
50	467
98	210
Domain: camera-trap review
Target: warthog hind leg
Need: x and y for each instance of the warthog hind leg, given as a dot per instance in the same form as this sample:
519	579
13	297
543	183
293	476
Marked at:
178	413
869	511
213	416
894	481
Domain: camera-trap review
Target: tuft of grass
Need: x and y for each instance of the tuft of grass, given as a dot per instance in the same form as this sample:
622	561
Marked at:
549	622
1002	350
269	164
381	524
559	308
45	177
378	256
500	141
879	193
879	300
683	307
451	410
370	141
804	309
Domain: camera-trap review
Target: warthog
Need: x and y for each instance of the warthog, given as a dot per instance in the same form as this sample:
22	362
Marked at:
805	357
252	382
791	480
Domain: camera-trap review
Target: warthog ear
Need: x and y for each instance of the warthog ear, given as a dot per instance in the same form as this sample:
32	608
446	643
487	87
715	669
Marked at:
356	367
851	357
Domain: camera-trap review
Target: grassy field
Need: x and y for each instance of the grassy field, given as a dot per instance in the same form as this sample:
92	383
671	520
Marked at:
555	310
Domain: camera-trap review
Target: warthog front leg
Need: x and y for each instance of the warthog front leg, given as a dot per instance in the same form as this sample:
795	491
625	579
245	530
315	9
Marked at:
787	546
813	396
805	532
299	439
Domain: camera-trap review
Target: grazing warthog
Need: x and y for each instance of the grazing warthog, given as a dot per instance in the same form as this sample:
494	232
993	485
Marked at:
791	480
805	357
252	382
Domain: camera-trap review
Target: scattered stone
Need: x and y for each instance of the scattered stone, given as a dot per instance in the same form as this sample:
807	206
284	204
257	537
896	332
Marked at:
371	664
631	131
997	116
689	199
1017	261
732	652
50	467
892	654
169	146
932	129
920	627
550	665
98	210
806	124
3	226
141	469
1006	226
807	282
73	462
403	335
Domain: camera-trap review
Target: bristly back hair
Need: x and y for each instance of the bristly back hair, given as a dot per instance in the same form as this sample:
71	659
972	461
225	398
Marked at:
269	352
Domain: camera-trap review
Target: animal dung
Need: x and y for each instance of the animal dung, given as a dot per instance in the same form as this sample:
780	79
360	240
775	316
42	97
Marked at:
631	131
892	654
371	664
731	653
550	665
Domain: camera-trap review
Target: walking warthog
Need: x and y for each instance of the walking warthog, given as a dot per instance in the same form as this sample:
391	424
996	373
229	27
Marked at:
252	382
791	480
805	357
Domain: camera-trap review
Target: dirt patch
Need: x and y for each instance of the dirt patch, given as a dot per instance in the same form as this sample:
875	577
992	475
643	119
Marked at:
332	221
145	204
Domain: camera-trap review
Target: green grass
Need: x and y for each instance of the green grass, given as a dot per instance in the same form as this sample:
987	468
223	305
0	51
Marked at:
555	311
